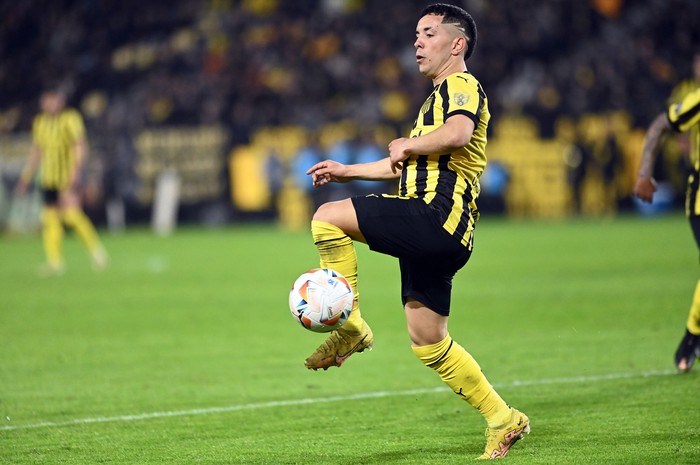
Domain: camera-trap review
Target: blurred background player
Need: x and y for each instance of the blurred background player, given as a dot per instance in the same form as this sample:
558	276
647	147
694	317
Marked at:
428	226
680	117
59	147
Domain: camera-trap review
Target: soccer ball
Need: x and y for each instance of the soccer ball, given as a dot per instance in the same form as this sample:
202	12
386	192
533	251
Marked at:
321	300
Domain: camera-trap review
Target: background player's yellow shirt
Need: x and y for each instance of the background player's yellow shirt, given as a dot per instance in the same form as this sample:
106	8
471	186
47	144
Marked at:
450	181
56	137
685	116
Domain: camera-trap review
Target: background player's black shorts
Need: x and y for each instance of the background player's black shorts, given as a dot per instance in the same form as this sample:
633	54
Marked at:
411	230
695	226
50	196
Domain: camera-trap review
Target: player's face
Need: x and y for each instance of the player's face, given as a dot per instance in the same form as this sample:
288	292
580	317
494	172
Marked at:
52	102
434	44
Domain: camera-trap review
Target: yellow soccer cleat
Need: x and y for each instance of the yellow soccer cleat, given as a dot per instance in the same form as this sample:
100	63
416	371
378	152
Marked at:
340	345
500	439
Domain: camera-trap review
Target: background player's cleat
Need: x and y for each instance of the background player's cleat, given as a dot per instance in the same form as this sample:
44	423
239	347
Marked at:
100	259
340	345
499	440
48	270
688	351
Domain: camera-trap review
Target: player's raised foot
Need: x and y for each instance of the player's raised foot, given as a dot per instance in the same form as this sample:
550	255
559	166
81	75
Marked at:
500	439
688	351
340	345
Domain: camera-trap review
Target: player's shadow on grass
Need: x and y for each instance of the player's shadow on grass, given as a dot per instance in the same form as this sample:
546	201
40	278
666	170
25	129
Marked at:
438	454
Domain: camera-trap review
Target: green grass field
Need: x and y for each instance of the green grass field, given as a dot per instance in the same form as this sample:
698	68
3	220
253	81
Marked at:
184	352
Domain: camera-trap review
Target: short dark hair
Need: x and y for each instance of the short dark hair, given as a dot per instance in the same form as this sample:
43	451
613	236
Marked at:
452	14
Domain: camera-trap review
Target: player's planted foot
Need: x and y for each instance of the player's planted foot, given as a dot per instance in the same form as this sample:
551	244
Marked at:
500	439
48	270
100	259
688	351
339	346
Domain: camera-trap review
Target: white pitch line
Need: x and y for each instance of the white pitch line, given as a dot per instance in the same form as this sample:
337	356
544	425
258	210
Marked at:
320	400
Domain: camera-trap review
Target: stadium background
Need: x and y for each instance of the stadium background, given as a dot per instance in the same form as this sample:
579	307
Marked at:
238	97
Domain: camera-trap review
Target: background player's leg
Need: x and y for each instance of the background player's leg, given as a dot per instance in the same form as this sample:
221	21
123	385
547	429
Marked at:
693	323
75	218
689	347
52	236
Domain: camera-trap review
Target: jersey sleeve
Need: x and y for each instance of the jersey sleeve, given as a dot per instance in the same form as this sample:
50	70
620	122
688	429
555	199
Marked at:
75	125
461	95
685	114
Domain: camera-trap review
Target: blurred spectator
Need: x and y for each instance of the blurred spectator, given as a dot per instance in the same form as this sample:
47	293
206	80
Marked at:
310	154
607	158
366	151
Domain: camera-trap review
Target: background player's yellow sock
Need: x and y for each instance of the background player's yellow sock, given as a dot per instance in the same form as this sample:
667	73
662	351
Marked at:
77	220
337	252
462	374
52	235
694	315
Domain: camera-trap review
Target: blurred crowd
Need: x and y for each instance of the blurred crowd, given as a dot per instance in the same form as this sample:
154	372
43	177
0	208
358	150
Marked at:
250	64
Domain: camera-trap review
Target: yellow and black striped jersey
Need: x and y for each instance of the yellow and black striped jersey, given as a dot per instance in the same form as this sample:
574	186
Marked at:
682	89
56	137
685	116
450	181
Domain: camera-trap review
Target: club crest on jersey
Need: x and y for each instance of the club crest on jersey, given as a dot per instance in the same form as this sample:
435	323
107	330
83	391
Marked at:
460	99
428	103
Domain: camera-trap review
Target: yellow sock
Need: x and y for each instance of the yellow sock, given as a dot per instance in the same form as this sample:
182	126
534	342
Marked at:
52	235
77	220
337	252
694	315
462	374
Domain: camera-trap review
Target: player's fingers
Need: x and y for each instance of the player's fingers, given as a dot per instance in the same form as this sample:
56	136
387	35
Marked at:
320	182
317	167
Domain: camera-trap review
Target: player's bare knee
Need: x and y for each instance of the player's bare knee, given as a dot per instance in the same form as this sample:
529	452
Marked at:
335	213
324	213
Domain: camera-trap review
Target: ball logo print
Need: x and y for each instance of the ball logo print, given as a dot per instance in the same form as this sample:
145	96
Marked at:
321	300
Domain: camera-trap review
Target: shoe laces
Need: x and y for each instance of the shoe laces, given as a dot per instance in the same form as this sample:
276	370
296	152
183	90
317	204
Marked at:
333	340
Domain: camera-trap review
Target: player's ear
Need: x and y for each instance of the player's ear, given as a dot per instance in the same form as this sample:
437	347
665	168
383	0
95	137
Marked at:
459	45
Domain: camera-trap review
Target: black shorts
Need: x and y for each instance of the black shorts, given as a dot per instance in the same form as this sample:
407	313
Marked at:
695	227
50	196
411	230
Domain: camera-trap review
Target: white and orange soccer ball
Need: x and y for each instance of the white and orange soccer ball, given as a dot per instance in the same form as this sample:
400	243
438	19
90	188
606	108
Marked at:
321	300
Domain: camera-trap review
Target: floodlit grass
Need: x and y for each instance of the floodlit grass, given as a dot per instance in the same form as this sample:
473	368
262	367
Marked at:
184	351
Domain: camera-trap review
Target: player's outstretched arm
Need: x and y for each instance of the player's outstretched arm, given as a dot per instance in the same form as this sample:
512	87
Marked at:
645	185
331	171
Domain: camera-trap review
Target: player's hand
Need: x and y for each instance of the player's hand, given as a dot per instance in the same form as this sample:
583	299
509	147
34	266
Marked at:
21	187
398	152
327	171
644	188
74	181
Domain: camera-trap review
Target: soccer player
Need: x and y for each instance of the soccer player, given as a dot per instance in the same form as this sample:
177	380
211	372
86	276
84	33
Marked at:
428	226
679	117
59	146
